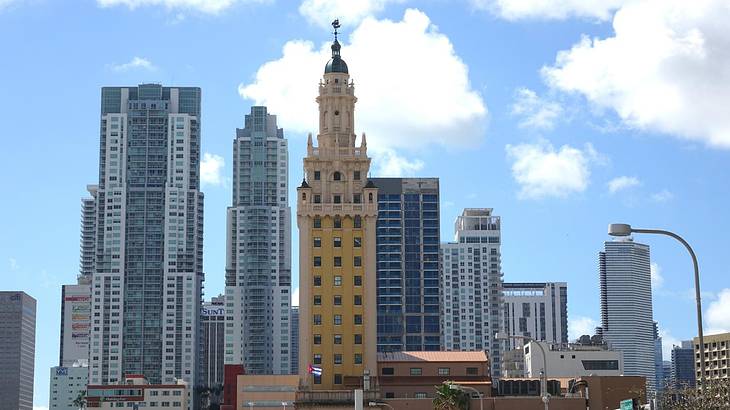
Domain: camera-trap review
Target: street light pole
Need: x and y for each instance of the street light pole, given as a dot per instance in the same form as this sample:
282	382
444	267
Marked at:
544	376
626	230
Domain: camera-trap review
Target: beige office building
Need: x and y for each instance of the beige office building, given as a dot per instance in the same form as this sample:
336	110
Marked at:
717	356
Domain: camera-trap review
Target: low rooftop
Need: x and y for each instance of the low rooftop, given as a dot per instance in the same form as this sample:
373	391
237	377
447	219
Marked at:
479	356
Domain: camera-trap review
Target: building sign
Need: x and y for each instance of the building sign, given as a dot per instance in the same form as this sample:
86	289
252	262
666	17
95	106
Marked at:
61	371
212	310
76	323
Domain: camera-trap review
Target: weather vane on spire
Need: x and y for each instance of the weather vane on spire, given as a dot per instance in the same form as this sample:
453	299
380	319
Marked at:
336	25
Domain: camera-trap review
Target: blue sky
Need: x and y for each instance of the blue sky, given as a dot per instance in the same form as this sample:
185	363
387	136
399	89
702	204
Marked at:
563	116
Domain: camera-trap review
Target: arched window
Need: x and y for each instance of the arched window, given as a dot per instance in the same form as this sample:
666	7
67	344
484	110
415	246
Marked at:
370	197
338	222
304	196
337	176
357	222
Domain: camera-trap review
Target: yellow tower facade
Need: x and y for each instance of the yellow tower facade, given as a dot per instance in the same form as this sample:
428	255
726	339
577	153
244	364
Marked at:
336	216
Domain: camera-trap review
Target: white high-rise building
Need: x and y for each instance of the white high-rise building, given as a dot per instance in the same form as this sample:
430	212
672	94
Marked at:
536	310
258	262
471	286
148	266
67	382
626	308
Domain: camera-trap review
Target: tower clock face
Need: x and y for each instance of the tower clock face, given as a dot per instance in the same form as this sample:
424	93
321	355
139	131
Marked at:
337	112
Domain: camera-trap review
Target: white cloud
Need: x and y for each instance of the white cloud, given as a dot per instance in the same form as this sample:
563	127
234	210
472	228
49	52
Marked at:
412	88
621	183
388	163
717	318
13	264
662	196
205	6
550	9
667	342
7	3
135	63
350	12
210	169
536	112
581	325
295	297
663	70
657	280
543	171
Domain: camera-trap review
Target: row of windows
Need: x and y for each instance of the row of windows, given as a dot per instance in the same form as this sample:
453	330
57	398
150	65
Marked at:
336	176
337	222
418	371
337	339
357	280
337	300
337	242
336	319
337	261
337	358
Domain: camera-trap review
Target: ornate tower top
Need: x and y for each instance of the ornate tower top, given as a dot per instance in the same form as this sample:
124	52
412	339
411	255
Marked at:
336	63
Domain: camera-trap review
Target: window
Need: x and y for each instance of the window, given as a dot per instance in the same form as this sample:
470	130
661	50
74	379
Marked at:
357	261
358	339
317	320
356	199
416	371
317	261
358	280
317	281
357	222
358	300
338	358
337	199
357	358
338	280
358	319
388	371
317	176
317	359
356	175
337	300
357	242
600	364
318	339
337	242
317	300
317	222
317	379
317	199
472	371
338	261
338	339
337	176
317	242
338	379
389	395
444	371
421	395
338	222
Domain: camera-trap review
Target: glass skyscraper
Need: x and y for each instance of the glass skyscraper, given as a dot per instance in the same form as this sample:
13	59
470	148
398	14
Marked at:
407	264
148	264
258	264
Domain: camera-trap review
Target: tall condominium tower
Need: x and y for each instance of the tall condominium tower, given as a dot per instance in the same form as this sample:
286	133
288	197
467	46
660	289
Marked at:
658	360
88	232
294	348
683	366
75	322
258	262
212	329
408	268
471	280
148	273
626	312
336	216
17	350
537	310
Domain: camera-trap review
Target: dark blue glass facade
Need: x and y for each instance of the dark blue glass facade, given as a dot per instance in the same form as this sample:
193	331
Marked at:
407	264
